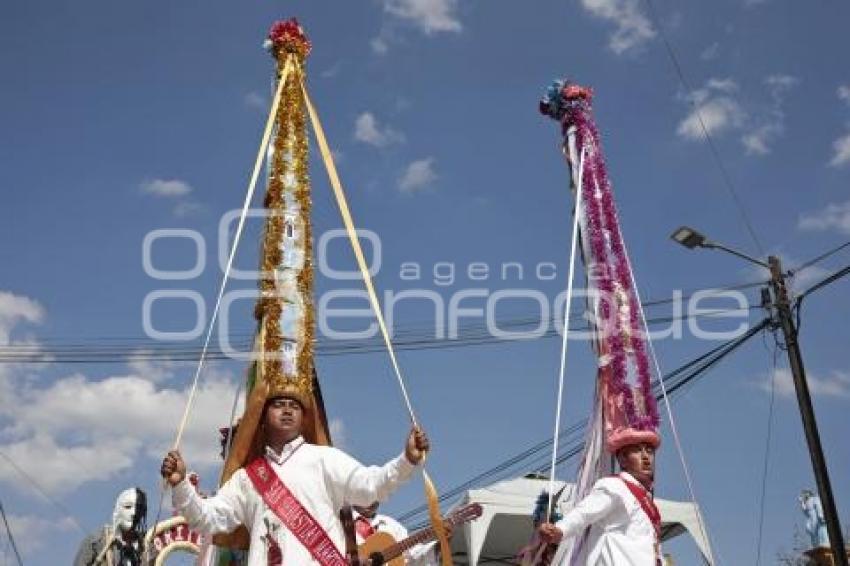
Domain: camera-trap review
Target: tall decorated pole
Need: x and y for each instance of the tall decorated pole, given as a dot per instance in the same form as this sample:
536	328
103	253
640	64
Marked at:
285	313
283	361
283	364
624	410
284	310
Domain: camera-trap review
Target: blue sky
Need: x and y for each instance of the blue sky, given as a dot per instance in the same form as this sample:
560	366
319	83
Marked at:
123	118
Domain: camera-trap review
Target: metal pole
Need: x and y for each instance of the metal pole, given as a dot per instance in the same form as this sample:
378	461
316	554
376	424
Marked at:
751	259
807	412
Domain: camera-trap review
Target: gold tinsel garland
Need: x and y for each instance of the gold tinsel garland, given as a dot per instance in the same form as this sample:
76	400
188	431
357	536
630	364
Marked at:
302	195
291	136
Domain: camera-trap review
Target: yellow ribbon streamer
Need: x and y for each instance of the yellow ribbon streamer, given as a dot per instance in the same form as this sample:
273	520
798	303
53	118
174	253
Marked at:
327	157
352	235
258	164
437	519
252	183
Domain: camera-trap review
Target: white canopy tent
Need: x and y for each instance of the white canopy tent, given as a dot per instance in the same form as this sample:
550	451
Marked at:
506	525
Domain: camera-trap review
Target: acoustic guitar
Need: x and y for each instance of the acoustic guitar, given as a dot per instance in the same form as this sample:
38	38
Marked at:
382	548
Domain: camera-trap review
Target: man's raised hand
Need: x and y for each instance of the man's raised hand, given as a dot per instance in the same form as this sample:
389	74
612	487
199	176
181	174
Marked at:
173	468
550	533
417	445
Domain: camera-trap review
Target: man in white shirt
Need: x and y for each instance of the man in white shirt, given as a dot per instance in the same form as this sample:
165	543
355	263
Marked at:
289	499
623	521
367	521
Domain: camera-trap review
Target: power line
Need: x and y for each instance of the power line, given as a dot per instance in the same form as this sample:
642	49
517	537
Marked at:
820	258
478	335
9	535
727	178
711	358
35	485
824	282
676	380
399	330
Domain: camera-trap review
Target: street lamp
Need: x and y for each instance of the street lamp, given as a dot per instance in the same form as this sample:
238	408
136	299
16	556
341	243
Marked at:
691	239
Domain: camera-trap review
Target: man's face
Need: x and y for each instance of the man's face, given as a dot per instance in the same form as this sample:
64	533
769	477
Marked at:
125	510
639	461
284	417
368	512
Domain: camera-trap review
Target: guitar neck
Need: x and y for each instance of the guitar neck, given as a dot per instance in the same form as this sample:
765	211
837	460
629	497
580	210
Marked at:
419	537
468	513
399	548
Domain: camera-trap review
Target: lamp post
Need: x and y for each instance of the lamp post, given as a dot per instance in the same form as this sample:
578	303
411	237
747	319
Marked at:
691	239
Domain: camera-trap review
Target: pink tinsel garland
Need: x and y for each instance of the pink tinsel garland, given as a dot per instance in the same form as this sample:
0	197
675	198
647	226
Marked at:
570	105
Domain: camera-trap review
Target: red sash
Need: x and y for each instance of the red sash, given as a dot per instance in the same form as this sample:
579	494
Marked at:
652	513
294	516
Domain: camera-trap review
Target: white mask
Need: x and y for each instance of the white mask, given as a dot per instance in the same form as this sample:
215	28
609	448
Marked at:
125	510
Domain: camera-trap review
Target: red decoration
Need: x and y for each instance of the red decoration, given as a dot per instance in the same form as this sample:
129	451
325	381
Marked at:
289	36
575	91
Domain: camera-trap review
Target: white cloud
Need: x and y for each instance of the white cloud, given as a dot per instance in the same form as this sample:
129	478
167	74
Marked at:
778	84
71	465
713	109
187	208
173	189
168	188
841	146
633	28
756	142
418	175
379	46
805	278
802	279
844	93
710	52
93	429
841	151
331	71
429	16
256	101
835	216
836	385
156	371
15	309
722	85
772	125
367	130
33	532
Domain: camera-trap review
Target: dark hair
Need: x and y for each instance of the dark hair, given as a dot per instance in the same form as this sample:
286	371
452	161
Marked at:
140	517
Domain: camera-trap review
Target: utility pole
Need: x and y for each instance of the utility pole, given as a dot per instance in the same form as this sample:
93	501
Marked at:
807	412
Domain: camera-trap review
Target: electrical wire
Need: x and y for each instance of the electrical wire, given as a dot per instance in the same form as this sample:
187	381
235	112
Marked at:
824	282
474	336
397	330
724	172
10	536
676	379
41	491
820	258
